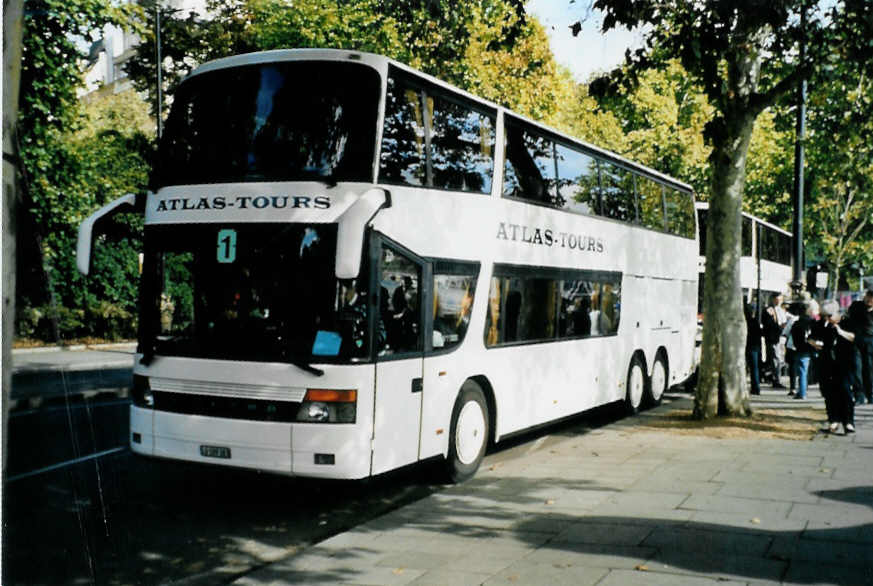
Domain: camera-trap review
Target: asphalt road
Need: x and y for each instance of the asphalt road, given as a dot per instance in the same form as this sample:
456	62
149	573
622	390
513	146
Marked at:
73	518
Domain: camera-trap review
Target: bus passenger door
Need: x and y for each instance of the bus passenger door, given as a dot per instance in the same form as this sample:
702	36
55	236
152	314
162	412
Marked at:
400	358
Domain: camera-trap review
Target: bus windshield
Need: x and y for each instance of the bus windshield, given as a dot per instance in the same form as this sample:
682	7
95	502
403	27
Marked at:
284	121
261	292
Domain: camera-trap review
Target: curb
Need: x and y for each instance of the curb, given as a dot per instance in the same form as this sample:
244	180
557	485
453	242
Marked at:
114	346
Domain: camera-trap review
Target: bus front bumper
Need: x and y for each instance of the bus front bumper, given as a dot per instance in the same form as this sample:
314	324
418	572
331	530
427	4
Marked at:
339	451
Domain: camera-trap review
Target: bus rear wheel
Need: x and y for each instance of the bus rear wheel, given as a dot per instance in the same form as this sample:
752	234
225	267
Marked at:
658	383
636	385
468	434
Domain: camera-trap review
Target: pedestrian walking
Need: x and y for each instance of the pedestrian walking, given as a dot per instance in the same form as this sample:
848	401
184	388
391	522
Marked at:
772	321
803	350
753	347
794	311
861	315
836	366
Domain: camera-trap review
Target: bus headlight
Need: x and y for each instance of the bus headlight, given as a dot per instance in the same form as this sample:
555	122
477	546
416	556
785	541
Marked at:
142	393
328	406
314	412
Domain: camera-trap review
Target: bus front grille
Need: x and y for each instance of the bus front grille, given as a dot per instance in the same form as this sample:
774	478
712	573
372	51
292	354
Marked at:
226	407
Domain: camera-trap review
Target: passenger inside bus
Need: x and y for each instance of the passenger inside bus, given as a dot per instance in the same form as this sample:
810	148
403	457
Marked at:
353	319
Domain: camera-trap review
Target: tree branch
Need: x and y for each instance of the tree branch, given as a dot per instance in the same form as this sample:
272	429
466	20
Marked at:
761	101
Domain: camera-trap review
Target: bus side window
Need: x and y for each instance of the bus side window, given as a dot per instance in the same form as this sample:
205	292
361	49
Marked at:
530	166
651	203
746	238
400	302
617	185
680	212
578	183
452	306
403	158
462	147
526	307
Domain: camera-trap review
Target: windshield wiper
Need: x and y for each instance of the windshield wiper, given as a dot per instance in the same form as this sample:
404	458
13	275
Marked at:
307	367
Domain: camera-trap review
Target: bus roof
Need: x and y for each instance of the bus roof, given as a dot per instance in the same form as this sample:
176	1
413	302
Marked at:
381	63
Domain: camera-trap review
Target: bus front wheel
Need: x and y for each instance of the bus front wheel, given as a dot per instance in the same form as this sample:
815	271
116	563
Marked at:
636	385
468	434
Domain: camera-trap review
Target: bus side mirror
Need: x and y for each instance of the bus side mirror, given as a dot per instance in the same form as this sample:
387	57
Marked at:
350	232
85	244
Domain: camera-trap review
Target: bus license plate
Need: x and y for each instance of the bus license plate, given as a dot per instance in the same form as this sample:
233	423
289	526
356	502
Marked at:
215	452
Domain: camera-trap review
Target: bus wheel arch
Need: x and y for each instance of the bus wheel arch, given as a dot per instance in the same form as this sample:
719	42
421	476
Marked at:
469	431
637	383
659	381
491	402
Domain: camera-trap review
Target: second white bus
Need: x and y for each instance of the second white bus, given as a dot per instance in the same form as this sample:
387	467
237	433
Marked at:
765	258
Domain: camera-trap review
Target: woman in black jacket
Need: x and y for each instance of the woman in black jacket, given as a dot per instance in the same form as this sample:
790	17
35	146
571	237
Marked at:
836	366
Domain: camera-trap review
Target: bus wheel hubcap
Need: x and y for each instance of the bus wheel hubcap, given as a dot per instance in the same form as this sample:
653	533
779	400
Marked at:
636	386
659	381
469	432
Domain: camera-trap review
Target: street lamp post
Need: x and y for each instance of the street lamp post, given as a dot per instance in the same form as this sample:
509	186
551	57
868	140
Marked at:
797	252
159	68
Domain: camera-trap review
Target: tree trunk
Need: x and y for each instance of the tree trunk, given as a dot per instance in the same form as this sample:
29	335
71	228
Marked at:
722	382
12	35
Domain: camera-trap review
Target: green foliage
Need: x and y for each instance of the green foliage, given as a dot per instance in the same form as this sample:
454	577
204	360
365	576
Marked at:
488	46
841	157
75	158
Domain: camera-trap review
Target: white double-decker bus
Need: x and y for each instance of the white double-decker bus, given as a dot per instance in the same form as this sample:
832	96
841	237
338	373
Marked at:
765	258
351	266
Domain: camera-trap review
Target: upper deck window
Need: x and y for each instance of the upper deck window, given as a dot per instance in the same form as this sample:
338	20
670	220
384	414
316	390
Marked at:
530	166
433	139
578	182
284	121
651	200
680	212
775	246
618	192
746	236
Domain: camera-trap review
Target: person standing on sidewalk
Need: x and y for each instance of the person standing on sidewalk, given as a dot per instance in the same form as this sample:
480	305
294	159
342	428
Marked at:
753	347
836	367
861	315
794	311
803	350
773	320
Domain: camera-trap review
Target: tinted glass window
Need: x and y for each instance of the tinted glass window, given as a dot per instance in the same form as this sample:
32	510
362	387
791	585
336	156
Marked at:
617	187
785	248
528	305
454	290
252	123
680	212
263	292
701	226
432	140
400	302
651	198
530	166
775	246
462	146
746	236
578	182
403	158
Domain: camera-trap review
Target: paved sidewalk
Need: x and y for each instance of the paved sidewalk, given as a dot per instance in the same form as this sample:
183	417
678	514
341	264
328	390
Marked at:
625	505
45	373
